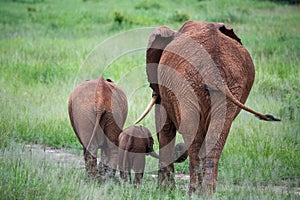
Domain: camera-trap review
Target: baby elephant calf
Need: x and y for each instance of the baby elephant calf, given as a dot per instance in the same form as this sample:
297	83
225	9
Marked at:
135	143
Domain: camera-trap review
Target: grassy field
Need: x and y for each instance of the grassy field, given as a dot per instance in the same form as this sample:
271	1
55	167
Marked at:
45	49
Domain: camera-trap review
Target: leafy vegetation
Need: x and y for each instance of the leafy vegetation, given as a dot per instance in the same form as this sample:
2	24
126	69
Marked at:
286	1
44	46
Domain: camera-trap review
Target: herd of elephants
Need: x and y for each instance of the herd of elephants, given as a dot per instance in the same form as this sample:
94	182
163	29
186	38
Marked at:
201	76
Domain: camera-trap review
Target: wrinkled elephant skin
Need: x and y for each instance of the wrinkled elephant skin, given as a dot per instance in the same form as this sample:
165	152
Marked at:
97	111
201	76
135	142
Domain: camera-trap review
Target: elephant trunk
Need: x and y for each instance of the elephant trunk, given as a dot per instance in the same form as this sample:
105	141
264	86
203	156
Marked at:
153	154
147	110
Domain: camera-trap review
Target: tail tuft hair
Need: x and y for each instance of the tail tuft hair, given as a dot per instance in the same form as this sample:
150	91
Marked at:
269	118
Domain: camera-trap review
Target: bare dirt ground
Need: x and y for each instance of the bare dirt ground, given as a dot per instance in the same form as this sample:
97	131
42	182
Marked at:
63	156
68	157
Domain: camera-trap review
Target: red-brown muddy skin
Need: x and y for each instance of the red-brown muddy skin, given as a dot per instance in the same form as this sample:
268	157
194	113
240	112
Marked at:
134	143
201	76
97	111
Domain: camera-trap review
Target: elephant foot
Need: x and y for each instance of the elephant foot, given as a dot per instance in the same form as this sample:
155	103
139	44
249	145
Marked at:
90	165
110	172
192	190
166	179
105	172
101	169
166	183
138	179
208	186
203	179
125	176
206	190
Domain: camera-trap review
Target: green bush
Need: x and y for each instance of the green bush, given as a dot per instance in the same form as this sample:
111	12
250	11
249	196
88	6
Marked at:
180	16
284	1
146	5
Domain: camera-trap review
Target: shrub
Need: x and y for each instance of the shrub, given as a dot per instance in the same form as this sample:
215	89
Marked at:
179	16
147	5
285	1
121	18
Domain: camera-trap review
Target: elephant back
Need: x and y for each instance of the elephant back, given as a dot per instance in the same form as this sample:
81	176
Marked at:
110	99
135	139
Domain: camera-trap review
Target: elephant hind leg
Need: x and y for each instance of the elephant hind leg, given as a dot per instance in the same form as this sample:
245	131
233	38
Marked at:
212	148
203	175
138	178
209	175
90	164
195	169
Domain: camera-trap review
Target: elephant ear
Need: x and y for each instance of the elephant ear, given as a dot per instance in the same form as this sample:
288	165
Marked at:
228	31
158	40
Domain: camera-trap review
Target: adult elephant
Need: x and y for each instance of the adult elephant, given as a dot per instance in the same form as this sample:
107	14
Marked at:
201	76
97	111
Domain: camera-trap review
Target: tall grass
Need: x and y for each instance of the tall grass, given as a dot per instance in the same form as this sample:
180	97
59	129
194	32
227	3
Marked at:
43	45
30	174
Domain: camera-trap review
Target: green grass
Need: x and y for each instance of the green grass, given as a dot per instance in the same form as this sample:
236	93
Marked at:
30	174
44	49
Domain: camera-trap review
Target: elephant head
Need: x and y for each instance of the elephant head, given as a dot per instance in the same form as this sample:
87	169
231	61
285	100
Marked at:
201	76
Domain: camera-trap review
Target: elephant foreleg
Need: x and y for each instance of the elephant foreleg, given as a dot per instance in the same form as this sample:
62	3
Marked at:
108	163
90	164
110	168
138	178
166	138
102	165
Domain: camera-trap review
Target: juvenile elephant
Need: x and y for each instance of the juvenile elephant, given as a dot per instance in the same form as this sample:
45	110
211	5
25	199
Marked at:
135	142
97	111
201	76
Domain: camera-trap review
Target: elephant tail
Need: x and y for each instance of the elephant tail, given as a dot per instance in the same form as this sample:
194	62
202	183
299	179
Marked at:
227	92
95	130
99	108
266	117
